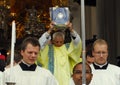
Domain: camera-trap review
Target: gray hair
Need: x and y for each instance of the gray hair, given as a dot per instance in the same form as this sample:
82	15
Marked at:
60	34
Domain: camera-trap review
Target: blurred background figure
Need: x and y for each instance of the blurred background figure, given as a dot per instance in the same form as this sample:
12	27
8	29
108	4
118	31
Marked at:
89	57
17	59
2	62
89	43
2	66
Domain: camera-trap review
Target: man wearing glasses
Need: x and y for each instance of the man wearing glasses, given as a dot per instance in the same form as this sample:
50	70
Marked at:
104	73
77	74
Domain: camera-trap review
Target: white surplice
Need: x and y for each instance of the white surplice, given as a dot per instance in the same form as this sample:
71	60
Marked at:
40	76
109	76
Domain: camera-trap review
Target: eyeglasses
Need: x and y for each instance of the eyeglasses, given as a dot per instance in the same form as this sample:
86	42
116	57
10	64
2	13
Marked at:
80	72
101	53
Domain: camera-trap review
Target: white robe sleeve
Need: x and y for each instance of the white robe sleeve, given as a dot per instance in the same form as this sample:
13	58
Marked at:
77	38
44	39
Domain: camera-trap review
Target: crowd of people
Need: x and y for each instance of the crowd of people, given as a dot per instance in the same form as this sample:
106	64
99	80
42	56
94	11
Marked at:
49	60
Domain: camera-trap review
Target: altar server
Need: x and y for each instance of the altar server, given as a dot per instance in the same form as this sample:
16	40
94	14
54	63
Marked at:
104	73
27	72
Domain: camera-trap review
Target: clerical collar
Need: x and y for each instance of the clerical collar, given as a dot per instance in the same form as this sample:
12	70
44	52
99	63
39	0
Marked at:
26	63
26	67
97	66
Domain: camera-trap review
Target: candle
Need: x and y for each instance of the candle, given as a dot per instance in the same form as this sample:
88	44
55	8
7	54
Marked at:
12	48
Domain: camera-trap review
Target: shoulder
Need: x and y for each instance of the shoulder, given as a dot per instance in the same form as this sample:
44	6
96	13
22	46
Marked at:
114	69
14	67
43	70
1	73
45	74
113	66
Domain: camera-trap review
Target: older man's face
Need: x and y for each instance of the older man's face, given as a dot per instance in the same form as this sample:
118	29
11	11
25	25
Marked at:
58	41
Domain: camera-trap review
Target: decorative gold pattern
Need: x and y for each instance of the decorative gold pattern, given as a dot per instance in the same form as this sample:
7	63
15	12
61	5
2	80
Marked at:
18	7
60	2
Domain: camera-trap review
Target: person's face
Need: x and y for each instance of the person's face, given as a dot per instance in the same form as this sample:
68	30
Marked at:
77	75
90	59
30	54
100	53
58	41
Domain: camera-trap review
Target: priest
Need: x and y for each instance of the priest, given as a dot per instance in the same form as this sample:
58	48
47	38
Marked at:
56	55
